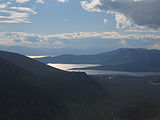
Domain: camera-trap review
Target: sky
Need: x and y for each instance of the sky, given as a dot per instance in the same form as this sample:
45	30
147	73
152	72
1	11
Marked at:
54	27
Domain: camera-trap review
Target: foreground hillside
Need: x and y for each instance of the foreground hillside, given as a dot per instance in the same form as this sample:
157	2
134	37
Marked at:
23	99
31	90
127	59
133	98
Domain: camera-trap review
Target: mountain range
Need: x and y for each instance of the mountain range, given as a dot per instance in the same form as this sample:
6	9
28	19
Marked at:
123	59
31	90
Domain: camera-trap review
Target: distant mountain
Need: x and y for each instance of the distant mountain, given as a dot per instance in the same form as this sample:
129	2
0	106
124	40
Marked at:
123	59
31	90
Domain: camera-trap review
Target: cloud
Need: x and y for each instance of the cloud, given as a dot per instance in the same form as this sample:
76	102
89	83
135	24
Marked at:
40	1
105	21
62	1
20	11
141	31
22	1
4	5
16	11
80	40
137	13
155	46
14	16
102	35
122	42
24	9
19	38
58	44
28	40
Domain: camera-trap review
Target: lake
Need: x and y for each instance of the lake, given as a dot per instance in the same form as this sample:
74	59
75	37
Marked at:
67	67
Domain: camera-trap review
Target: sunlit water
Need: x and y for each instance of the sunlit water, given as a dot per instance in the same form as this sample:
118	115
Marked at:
70	66
67	67
36	56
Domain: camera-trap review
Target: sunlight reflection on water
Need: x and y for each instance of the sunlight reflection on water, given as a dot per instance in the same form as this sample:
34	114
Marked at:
70	66
66	67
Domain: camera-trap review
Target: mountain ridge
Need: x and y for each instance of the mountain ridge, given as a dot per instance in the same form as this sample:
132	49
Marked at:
123	59
66	84
31	90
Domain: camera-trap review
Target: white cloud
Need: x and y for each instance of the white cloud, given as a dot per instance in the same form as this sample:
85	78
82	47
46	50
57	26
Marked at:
141	31
20	11
105	21
15	14
62	1
4	5
81	40
102	35
123	42
24	9
22	1
155	46
139	13
14	17
40	1
13	11
58	44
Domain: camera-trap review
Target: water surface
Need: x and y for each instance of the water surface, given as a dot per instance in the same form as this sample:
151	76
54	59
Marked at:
67	67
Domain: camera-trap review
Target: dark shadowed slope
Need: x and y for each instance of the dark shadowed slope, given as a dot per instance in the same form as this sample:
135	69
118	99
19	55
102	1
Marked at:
76	87
139	60
21	98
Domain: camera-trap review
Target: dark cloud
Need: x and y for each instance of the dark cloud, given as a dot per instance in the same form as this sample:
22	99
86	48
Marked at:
141	13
